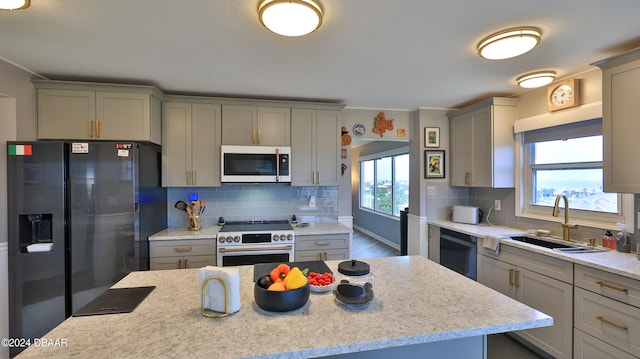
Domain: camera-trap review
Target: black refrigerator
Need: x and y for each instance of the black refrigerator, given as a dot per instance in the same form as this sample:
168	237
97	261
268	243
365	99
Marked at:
79	215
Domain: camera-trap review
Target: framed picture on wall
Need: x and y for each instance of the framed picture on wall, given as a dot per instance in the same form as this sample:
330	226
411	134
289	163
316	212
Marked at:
434	164
432	137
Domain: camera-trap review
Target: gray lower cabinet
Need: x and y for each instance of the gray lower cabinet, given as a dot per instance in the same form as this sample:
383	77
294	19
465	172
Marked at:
541	282
606	315
322	247
181	254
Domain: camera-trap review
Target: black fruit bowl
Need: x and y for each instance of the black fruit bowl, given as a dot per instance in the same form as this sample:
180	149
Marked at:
281	301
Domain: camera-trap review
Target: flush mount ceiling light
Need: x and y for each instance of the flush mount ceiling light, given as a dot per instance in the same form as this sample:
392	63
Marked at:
290	17
536	79
14	4
509	43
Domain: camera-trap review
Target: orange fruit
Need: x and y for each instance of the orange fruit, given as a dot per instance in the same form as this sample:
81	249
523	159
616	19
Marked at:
277	286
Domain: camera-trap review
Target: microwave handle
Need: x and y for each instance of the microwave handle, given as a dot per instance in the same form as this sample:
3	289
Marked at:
277	165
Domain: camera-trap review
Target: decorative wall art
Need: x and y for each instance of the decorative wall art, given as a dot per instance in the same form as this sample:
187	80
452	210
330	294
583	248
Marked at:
432	137
382	124
359	129
346	138
434	164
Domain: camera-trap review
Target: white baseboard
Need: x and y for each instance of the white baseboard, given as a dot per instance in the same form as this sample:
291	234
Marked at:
393	245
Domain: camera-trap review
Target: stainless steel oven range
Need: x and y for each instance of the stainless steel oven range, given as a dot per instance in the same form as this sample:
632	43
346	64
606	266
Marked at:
251	242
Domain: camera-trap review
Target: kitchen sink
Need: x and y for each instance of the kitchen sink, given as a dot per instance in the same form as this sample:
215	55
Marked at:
581	249
540	242
560	247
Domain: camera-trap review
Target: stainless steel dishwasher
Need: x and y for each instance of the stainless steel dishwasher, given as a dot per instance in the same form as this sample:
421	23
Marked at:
458	252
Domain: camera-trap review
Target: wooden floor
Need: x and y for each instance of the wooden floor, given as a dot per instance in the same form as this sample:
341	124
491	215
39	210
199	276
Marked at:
365	246
500	346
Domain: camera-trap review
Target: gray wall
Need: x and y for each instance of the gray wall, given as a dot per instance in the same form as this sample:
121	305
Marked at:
386	228
17	122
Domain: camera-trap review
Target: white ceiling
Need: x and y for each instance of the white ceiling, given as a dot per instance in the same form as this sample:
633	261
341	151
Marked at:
385	54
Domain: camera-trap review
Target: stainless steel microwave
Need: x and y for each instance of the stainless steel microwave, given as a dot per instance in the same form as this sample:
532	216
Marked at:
255	164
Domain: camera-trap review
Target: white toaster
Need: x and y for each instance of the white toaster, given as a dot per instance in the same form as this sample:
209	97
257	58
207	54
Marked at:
466	214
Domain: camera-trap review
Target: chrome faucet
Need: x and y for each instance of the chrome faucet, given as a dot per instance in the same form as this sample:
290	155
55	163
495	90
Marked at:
566	227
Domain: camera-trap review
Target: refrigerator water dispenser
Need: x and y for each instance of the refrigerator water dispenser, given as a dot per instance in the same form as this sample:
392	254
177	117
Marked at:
35	232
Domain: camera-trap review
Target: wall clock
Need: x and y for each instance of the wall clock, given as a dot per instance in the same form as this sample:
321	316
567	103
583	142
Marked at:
563	94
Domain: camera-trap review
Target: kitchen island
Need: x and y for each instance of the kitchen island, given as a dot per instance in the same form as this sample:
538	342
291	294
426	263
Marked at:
420	308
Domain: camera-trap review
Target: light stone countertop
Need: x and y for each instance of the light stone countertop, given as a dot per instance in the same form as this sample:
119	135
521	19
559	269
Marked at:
321	228
625	264
180	233
416	301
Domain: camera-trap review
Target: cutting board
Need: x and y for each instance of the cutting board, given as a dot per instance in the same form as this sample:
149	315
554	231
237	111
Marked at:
262	269
116	300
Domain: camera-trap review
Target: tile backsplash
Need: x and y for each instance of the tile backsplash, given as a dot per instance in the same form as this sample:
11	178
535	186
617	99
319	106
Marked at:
265	201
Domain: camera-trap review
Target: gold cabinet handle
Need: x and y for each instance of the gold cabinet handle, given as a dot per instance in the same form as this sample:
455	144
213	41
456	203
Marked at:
318	174
253	136
90	128
511	277
320	255
188	177
517	280
322	243
182	249
259	136
97	129
194	177
186	263
179	263
621	327
610	286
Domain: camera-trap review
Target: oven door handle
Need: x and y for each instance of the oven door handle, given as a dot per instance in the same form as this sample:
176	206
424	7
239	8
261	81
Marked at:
254	249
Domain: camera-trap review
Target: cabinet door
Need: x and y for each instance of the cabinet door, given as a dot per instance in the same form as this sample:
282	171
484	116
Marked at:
205	145
497	275
315	255
620	128
176	144
554	298
328	125
165	263
198	261
303	142
122	116
274	126
588	347
460	164
238	125
66	114
481	148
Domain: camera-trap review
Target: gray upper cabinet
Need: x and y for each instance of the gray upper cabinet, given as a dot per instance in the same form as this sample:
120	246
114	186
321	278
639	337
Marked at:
620	125
252	125
315	146
482	144
89	111
191	144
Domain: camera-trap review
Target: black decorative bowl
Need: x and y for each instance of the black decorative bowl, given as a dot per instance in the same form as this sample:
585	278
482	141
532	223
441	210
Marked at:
281	301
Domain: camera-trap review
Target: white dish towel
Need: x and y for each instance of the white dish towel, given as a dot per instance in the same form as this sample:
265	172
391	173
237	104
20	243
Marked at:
214	292
491	243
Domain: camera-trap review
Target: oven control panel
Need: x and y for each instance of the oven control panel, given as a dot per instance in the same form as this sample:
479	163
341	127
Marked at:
243	238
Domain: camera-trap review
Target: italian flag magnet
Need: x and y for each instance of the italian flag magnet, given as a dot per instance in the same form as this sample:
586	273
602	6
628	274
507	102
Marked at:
20	150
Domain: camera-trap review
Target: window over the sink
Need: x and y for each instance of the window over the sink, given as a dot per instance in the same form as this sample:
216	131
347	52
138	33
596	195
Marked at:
567	160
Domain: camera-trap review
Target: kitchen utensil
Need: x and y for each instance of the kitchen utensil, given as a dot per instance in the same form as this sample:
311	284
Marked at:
181	205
